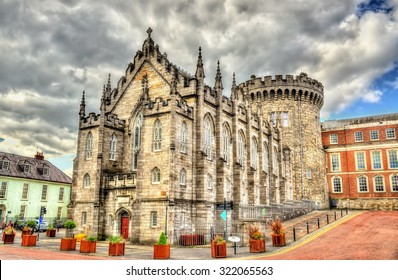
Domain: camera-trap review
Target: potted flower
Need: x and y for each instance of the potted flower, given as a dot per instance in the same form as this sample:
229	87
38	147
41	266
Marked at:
88	244
51	230
68	243
278	233
116	245
161	249
28	239
218	247
256	239
8	235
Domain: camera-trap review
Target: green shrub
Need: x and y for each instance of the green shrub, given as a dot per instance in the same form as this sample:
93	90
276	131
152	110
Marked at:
69	224
115	239
91	238
162	239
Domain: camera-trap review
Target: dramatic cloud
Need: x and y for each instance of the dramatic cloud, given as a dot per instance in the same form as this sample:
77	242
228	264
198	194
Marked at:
50	51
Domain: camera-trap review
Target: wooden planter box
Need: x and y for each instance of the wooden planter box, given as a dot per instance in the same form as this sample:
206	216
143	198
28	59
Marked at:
218	250
278	240
257	246
161	251
29	240
87	246
116	249
26	232
51	232
68	244
8	238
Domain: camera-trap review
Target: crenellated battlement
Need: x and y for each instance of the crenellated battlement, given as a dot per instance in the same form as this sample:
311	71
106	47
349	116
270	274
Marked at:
91	120
112	120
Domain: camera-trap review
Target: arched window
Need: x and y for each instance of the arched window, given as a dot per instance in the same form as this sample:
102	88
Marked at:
136	141
155	175
209	182
363	184
241	149
183	138
254	153
226	143
265	157
86	181
378	183
394	183
337	186
275	161
112	151
183	176
157	136
208	138
89	146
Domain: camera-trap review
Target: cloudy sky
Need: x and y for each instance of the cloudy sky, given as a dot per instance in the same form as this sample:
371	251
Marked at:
50	51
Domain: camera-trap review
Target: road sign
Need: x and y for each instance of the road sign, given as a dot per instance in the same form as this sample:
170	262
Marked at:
228	205
224	215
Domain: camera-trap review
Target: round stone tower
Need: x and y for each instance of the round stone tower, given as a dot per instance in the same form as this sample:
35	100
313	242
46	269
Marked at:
293	105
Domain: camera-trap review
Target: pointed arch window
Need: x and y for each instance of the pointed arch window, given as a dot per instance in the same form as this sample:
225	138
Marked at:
137	141
112	150
89	146
86	181
155	176
183	138
157	136
226	144
265	157
241	149
208	139
183	177
254	153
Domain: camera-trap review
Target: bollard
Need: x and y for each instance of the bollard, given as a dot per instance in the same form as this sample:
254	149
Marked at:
327	218
335	215
294	234
308	228
319	224
341	215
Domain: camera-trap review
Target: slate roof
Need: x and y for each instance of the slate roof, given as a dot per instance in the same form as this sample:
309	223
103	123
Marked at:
38	169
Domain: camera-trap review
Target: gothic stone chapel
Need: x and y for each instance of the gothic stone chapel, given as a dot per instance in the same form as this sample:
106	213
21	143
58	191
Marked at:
166	148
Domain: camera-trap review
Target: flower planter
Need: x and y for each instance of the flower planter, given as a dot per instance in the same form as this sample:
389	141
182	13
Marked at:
51	232
278	240
68	244
8	238
87	246
116	249
218	250
161	251
29	240
26	232
257	245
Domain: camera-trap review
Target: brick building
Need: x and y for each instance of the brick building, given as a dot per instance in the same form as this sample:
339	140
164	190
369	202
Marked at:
362	162
166	148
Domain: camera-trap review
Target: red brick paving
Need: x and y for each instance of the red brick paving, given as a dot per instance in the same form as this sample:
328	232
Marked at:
371	235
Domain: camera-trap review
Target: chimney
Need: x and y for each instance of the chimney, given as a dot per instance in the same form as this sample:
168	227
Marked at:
39	156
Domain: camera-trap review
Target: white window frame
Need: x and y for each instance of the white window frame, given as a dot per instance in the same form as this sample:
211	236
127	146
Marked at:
390	133
226	145
86	180
334	138
89	145
22	212
374	135
183	177
394	182
5	165
44	193
359	184
377	183
61	194
376	159
26	168
332	163
392	159
153	219
208	135
359	160
84	218
358	136
340	184
3	190
46	171
136	141
25	191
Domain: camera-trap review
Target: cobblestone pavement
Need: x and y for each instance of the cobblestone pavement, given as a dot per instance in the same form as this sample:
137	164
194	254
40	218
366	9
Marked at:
355	235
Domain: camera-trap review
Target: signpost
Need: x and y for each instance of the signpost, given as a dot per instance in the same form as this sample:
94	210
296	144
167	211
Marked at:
234	239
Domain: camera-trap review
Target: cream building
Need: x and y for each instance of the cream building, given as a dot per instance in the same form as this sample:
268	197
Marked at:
166	149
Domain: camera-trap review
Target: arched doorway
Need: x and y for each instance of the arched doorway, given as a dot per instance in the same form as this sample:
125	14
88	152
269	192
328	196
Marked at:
124	224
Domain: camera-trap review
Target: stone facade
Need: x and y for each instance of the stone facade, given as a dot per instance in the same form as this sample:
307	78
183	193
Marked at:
166	149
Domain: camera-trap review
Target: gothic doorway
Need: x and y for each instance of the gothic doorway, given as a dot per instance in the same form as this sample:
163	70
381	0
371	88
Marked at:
124	224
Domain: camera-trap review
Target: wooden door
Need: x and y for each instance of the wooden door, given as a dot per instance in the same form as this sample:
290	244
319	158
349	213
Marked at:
124	227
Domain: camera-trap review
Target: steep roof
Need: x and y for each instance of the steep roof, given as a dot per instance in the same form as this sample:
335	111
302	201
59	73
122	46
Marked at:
38	169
